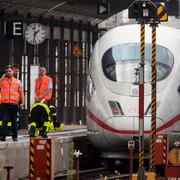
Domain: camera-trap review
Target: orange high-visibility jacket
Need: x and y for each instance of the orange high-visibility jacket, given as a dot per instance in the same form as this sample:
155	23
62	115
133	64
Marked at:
10	91
42	85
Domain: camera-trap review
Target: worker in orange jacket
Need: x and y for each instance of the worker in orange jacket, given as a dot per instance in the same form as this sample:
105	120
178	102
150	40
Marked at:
43	86
16	69
11	94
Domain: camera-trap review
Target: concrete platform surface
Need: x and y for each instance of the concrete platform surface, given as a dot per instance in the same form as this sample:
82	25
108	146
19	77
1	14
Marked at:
16	154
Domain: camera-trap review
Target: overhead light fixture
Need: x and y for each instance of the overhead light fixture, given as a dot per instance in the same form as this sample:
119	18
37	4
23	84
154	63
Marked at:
58	5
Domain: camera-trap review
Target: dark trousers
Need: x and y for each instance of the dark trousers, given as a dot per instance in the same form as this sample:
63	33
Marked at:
0	113
9	111
0	120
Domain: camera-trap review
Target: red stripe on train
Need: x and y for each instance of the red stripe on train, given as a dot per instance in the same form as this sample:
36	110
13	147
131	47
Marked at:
109	128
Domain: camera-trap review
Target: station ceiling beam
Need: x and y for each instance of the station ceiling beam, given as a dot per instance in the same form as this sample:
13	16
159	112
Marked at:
78	10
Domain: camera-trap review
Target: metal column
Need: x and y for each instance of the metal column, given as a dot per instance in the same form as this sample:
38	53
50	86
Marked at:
72	74
61	74
153	103
80	77
141	104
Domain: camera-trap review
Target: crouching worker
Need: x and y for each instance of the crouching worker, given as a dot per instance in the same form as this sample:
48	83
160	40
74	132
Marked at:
43	119
42	112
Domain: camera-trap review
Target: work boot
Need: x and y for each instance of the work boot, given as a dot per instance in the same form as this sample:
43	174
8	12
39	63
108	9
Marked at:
15	139
44	132
32	131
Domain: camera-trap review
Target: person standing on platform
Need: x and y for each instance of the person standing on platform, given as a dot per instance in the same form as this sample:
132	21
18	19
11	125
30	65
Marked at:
16	69
11	93
43	86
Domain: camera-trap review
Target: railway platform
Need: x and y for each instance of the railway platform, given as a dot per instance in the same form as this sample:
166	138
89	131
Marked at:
16	154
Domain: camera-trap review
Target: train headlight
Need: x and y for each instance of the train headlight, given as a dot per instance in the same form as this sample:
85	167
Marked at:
115	108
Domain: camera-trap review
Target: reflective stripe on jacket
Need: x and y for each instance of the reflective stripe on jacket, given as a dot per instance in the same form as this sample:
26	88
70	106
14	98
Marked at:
42	85
41	103
10	91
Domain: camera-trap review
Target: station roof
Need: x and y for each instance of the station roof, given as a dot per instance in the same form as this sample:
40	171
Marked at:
84	10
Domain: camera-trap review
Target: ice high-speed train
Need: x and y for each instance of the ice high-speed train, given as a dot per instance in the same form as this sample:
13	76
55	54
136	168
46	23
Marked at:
112	88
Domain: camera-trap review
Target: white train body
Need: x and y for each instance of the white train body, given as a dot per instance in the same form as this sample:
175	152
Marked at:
112	96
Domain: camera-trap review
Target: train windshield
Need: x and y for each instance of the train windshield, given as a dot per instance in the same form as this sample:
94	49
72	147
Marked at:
121	63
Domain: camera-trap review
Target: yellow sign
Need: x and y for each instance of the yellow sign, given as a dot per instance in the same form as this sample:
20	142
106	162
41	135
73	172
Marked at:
77	51
174	156
162	13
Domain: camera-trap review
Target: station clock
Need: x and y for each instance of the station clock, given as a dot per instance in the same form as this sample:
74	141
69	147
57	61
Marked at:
35	33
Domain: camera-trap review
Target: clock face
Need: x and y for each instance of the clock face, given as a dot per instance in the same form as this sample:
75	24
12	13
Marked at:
35	33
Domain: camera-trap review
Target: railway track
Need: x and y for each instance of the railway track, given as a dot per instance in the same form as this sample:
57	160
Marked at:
93	174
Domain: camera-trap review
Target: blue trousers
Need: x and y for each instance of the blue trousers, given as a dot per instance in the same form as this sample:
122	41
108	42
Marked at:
9	111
